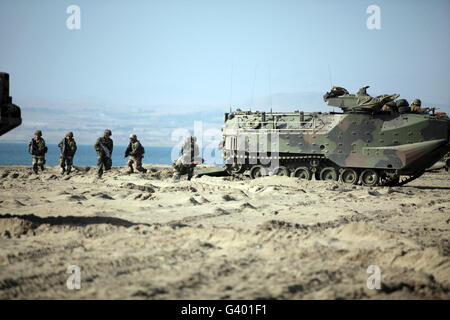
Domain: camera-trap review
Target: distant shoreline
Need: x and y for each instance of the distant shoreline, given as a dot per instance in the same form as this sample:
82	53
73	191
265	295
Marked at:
84	144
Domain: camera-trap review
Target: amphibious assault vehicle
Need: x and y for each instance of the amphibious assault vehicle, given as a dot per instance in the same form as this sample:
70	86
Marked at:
10	116
373	141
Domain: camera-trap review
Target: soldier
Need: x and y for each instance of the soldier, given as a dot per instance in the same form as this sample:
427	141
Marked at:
188	160
416	106
38	149
136	152
104	148
446	158
68	148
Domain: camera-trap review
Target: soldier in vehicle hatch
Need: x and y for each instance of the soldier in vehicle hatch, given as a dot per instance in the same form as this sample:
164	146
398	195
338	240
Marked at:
68	148
37	149
104	148
188	160
416	107
135	151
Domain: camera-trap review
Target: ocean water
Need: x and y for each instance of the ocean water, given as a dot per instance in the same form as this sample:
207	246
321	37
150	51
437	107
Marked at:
17	154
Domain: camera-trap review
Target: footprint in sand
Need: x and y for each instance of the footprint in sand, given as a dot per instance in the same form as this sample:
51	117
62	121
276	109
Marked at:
228	198
193	201
247	205
76	198
19	204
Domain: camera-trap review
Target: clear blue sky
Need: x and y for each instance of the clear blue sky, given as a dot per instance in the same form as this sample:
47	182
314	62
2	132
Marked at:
175	57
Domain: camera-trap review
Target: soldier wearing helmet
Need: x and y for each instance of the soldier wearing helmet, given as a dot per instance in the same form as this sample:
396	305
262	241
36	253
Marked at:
104	148
68	148
37	149
135	151
416	106
188	160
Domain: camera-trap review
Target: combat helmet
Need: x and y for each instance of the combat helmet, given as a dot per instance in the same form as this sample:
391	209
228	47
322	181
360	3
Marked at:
69	134
416	102
107	131
133	136
38	133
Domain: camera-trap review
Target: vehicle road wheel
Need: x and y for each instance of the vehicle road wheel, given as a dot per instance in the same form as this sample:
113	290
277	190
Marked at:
369	177
235	168
328	174
349	176
257	172
281	171
303	173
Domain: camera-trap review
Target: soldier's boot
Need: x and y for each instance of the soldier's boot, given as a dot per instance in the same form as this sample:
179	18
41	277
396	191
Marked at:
141	169
63	169
190	173
176	177
69	169
100	173
42	167
35	168
130	169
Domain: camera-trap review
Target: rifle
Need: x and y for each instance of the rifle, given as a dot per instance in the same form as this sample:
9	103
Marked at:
107	153
63	148
128	151
33	146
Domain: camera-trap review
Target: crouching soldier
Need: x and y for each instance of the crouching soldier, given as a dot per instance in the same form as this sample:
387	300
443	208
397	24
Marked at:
104	148
188	160
37	149
68	148
135	151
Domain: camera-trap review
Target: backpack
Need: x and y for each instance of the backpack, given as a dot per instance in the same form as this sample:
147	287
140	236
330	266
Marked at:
140	150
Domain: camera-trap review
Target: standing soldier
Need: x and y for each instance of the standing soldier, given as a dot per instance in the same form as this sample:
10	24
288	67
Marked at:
188	160
136	152
68	148
104	148
38	149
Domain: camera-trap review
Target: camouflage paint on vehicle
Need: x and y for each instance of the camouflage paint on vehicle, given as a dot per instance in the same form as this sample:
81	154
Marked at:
362	137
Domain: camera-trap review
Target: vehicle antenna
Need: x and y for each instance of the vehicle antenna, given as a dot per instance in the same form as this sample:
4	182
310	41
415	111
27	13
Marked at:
231	87
329	75
270	88
254	80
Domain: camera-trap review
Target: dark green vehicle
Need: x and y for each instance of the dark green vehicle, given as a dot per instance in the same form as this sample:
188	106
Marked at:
373	141
10	116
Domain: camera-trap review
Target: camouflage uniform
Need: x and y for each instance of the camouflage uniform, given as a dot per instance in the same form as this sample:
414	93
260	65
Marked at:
136	152
446	158
188	160
66	157
38	149
104	161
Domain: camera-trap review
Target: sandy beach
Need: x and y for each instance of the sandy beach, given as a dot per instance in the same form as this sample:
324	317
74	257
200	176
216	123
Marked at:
141	236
